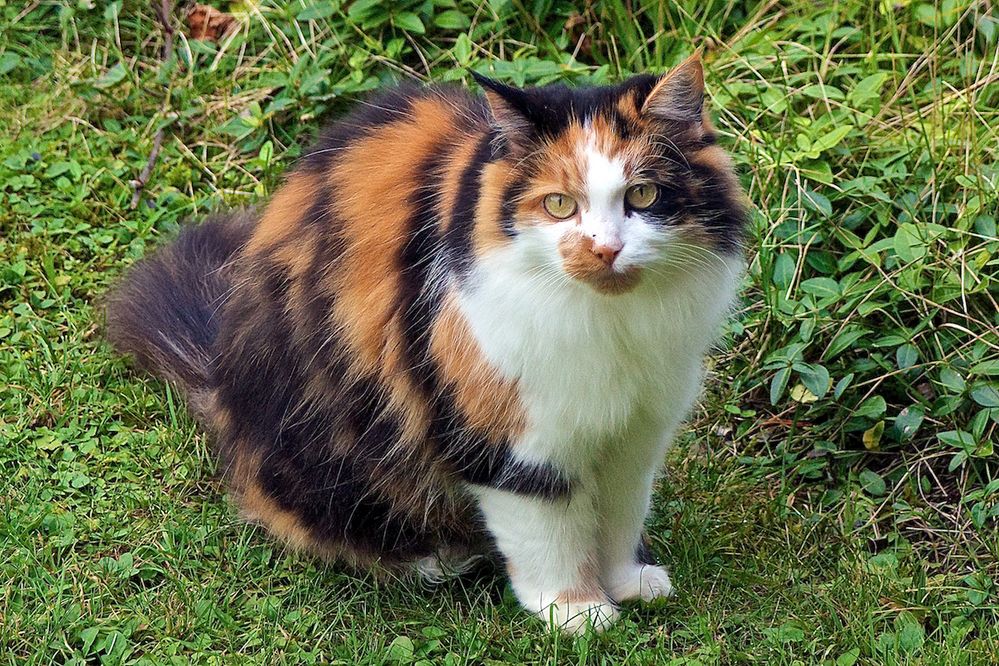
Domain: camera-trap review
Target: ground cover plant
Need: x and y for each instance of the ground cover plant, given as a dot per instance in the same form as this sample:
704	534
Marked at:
835	498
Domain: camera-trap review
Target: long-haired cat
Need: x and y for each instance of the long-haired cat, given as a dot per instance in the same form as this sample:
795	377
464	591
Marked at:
462	326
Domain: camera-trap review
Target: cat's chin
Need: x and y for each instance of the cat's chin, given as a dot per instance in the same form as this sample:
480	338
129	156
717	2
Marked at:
611	282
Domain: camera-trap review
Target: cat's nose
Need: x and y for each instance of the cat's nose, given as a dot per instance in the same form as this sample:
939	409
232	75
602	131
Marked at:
607	252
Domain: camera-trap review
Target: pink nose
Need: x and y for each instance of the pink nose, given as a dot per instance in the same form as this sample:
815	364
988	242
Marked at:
607	252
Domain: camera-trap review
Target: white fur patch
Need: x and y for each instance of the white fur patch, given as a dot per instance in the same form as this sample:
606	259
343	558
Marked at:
602	214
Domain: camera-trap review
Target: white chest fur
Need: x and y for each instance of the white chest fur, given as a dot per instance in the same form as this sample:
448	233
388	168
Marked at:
591	367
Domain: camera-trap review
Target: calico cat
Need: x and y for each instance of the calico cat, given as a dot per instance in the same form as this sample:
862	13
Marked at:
462	326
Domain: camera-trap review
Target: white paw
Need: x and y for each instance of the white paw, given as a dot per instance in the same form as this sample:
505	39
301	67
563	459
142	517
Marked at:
578	617
640	581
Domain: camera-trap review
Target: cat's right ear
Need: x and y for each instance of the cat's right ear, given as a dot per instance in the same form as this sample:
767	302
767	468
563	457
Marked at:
511	109
679	94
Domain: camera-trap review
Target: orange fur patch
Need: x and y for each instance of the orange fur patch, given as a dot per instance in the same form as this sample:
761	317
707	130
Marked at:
712	157
256	507
489	403
488	232
218	417
374	184
559	168
588	588
285	210
628	110
406	401
579	261
610	143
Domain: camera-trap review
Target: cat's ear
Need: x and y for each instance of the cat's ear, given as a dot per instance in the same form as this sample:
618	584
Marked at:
511	108
678	96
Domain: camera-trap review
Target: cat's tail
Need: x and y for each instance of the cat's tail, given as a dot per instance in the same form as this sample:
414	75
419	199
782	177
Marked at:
165	313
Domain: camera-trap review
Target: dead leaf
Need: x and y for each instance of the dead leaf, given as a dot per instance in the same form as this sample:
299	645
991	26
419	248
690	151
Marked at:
801	394
209	24
576	28
872	436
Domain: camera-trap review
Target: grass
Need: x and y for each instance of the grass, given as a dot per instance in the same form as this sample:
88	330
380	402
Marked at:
835	499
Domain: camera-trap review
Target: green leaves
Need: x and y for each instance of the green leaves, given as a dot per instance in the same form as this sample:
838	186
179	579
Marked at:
778	384
907	423
783	272
911	634
815	378
409	22
873	407
867	90
8	61
906	356
452	20
952	380
848	658
986	395
318	9
822	287
872	483
827	141
909	245
112	77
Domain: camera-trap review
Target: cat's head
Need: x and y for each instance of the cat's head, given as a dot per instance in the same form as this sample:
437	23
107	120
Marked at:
617	182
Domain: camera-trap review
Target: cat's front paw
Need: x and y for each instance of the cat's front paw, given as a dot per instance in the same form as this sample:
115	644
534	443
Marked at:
640	581
578	617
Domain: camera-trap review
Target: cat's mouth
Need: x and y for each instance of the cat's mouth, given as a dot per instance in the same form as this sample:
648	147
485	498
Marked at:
580	262
614	282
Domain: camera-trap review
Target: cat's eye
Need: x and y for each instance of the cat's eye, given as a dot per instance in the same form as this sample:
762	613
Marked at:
641	196
560	206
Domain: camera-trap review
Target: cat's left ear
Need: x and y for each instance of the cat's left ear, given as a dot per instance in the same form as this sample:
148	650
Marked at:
512	108
678	96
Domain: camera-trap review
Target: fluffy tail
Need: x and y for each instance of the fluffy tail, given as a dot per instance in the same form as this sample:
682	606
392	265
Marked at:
165	313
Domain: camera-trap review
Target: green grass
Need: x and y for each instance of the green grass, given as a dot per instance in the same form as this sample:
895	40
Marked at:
835	499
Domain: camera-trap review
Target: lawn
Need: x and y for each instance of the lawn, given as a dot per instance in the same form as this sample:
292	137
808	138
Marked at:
835	498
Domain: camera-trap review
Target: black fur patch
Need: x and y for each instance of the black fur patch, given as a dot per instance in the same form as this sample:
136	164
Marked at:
166	313
509	210
458	238
419	303
550	109
724	217
701	193
644	554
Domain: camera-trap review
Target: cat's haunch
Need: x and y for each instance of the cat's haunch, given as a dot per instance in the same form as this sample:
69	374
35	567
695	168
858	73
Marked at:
463	326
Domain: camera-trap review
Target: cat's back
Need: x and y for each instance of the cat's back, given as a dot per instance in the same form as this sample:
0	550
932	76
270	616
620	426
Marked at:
406	120
350	234
372	163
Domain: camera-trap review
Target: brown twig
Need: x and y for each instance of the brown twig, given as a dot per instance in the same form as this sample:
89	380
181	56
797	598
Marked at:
162	10
140	182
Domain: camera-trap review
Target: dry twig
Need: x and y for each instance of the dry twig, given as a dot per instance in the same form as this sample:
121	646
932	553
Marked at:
162	11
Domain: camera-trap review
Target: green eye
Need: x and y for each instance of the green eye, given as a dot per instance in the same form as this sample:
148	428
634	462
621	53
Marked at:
642	196
560	206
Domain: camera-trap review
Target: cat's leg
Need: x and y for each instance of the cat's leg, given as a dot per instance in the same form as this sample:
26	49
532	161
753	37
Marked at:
625	481
550	550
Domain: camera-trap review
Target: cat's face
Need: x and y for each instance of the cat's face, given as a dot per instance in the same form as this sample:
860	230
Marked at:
618	182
